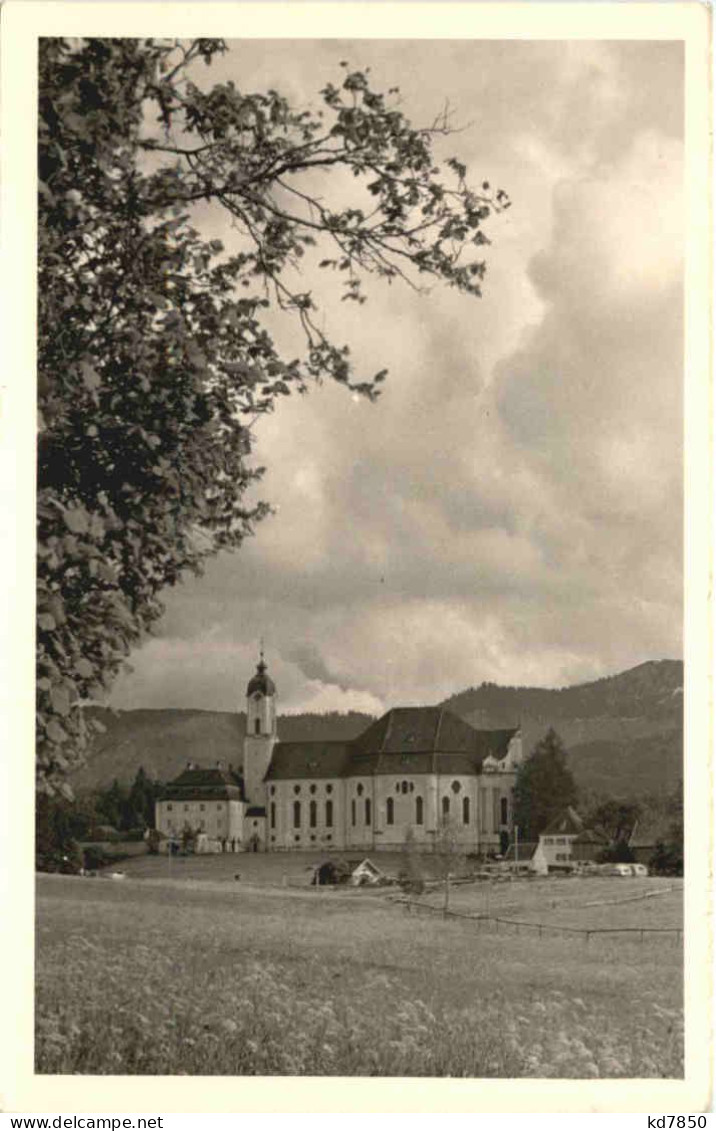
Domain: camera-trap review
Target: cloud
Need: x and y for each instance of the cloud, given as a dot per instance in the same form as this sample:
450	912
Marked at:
511	508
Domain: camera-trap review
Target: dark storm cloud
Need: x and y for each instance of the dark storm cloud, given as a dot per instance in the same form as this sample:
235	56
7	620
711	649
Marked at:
511	507
311	664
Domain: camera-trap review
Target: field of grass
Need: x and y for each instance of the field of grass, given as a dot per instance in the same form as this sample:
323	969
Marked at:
192	977
292	868
583	903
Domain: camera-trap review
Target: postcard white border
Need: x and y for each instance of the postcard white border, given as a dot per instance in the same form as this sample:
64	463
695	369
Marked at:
23	22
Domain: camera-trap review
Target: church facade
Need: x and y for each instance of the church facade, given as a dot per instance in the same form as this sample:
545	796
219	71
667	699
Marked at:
418	773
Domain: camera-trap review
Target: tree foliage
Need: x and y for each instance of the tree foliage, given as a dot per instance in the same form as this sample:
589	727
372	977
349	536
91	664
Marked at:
156	353
56	848
668	856
614	819
544	786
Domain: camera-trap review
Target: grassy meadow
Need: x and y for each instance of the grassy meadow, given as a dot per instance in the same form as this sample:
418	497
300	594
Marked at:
188	976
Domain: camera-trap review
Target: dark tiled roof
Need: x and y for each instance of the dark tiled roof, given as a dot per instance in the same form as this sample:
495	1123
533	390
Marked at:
308	760
376	763
494	743
590	836
203	784
410	740
568	822
425	740
406	740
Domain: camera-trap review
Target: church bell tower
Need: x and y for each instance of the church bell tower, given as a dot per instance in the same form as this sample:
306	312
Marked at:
261	734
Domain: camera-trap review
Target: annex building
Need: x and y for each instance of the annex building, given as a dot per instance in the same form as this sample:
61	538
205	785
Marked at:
413	773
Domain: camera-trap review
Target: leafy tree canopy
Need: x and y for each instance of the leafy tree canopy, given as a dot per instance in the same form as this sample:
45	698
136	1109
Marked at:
544	786
615	819
155	354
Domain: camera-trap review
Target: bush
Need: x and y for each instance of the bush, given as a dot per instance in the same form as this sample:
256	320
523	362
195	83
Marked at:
667	860
95	856
66	860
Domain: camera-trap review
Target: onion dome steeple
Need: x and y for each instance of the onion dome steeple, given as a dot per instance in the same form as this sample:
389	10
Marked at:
261	682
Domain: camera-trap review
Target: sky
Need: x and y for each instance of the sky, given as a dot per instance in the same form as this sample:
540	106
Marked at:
510	509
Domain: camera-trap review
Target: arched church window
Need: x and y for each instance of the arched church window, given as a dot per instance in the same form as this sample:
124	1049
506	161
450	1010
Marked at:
312	815
404	787
389	811
367	811
397	787
466	810
329	814
446	806
273	790
359	790
503	811
297	789
257	726
418	810
273	814
353	811
312	789
297	814
329	789
456	787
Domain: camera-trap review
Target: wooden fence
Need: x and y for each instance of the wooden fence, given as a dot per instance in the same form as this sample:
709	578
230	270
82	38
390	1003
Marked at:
414	906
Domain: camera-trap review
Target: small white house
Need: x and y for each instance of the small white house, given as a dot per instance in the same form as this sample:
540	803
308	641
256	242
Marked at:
555	846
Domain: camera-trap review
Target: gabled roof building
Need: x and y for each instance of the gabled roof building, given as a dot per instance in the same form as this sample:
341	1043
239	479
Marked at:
411	772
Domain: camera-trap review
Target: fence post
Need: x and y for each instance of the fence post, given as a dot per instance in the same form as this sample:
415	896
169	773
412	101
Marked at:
586	937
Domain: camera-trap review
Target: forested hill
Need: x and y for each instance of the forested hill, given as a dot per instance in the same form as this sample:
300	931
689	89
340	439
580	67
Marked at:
164	740
652	691
623	733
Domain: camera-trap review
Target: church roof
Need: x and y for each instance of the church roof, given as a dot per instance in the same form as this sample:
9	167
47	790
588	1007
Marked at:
308	760
415	740
261	681
198	783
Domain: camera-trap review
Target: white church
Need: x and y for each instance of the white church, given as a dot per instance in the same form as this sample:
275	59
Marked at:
413	772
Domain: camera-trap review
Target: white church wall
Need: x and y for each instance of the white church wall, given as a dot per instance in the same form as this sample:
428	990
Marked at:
404	803
495	805
456	804
304	814
257	758
360	802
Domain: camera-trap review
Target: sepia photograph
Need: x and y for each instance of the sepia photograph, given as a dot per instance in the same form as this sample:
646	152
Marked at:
360	500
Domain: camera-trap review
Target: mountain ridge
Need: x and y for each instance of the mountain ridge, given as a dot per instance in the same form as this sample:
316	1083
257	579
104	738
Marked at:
623	732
